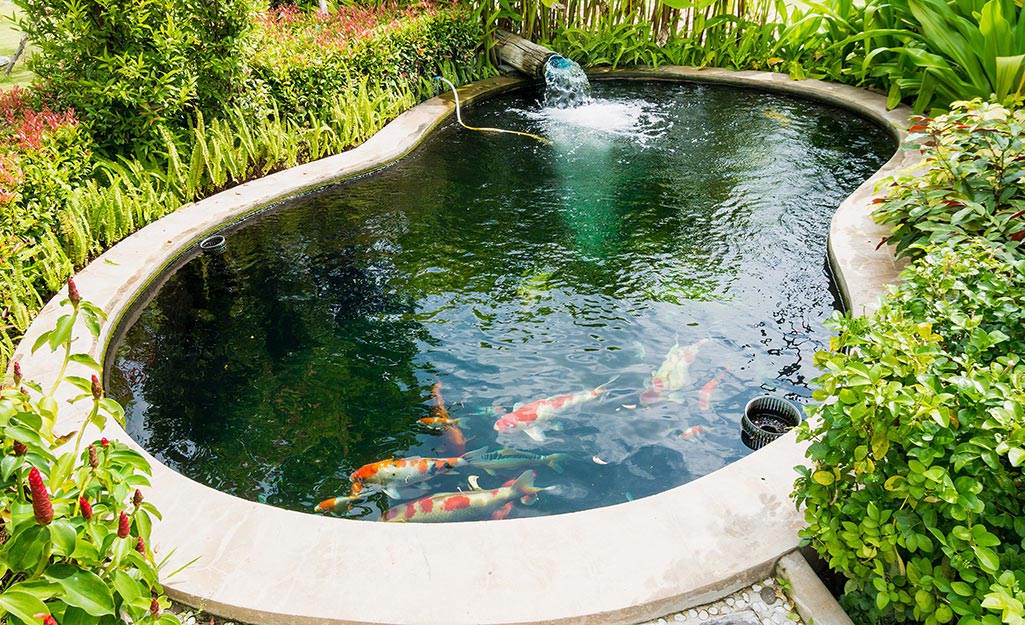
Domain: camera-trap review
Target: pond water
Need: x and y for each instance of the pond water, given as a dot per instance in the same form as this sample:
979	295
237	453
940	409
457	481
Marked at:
668	243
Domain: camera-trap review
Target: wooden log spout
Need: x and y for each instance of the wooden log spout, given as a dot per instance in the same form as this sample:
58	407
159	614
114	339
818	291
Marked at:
523	55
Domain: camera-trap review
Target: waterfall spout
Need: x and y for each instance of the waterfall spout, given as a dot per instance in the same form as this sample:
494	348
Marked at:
566	85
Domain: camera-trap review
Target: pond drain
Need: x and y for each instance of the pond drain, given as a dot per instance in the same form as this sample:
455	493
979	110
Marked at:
766	419
215	244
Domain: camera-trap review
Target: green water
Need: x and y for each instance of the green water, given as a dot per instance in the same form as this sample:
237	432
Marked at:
510	271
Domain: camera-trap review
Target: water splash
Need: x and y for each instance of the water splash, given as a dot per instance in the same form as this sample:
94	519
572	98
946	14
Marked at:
566	85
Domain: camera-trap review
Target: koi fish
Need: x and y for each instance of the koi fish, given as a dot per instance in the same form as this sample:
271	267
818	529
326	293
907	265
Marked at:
704	398
392	473
439	419
673	374
693	430
342	504
528	417
455	442
512	459
472	505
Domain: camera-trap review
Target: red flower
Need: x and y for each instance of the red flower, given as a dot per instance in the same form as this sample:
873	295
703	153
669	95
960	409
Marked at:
87	509
94	457
73	292
140	545
41	506
123	526
154	606
17	373
137	498
104	442
47	618
19	448
97	388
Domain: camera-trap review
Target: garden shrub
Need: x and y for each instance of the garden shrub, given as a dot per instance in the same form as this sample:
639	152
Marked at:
306	59
914	492
75	530
972	186
129	68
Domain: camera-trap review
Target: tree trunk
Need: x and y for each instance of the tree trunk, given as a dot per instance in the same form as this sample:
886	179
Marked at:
525	56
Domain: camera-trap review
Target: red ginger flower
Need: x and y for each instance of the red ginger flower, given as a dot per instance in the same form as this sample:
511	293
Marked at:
73	292
17	373
154	606
105	442
47	618
123	526
97	388
41	506
94	457
137	498
140	545
20	449
87	509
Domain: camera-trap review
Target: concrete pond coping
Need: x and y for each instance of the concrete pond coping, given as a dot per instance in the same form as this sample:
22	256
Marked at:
615	565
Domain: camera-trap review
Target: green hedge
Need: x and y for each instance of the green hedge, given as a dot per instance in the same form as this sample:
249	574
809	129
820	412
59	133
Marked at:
302	76
915	489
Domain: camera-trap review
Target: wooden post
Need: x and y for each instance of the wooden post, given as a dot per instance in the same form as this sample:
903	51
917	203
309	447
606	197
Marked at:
17	53
524	56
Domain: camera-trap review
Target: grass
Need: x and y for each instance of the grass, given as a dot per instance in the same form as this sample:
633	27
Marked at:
10	36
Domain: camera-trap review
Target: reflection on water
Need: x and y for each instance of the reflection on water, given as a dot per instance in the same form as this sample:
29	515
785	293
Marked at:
511	271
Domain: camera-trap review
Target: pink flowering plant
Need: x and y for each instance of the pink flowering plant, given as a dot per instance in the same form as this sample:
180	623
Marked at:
74	523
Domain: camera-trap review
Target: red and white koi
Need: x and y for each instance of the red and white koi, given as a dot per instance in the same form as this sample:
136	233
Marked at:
528	417
705	396
673	374
395	472
468	506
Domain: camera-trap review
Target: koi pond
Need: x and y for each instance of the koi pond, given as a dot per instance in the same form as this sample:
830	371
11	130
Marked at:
506	327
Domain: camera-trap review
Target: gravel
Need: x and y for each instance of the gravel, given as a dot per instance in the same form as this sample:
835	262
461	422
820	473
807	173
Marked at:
759	604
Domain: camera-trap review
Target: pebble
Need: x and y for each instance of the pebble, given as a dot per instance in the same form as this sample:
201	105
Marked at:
703	615
768	595
679	617
713	610
692	613
756	587
661	621
730	601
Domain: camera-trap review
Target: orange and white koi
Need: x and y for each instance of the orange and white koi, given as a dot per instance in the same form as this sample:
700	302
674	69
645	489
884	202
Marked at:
342	504
528	417
692	431
705	396
439	418
395	472
468	506
673	374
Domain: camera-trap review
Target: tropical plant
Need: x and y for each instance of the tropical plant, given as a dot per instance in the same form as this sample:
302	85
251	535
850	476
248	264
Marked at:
914	492
935	52
75	527
971	185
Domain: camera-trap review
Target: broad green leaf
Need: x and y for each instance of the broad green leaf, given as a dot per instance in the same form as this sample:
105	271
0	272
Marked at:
28	548
63	535
62	333
824	477
22	605
82	589
987	559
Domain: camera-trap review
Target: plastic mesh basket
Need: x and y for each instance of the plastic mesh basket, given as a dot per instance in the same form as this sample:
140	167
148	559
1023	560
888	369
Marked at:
766	419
